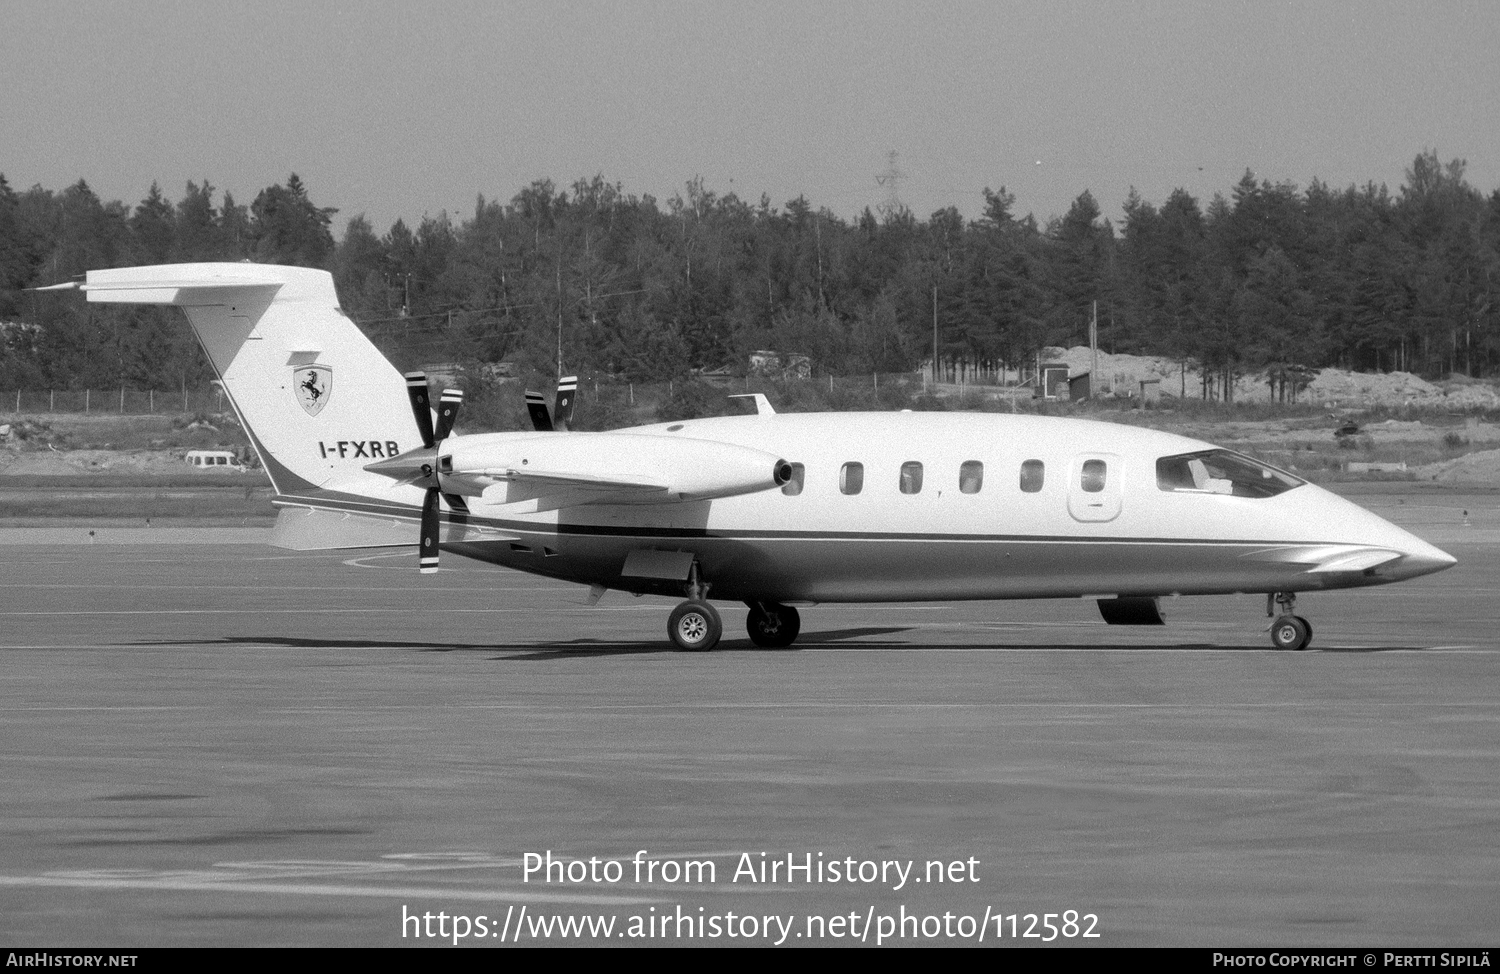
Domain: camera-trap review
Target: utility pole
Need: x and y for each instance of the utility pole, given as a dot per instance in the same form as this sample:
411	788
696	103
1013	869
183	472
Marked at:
934	336
1094	347
559	314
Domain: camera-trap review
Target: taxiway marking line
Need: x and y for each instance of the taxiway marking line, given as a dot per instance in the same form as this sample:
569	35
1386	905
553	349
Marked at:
317	889
853	648
250	589
620	709
323	611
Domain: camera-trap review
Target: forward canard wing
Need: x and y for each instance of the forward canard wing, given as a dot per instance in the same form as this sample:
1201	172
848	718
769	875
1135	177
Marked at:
1323	559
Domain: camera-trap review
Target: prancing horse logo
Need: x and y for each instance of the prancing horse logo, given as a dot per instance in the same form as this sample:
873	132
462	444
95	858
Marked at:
313	385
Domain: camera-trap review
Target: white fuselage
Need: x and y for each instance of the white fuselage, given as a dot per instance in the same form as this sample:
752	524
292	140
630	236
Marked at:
969	531
880	507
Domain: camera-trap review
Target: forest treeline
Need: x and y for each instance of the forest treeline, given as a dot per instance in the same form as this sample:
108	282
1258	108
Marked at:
1266	278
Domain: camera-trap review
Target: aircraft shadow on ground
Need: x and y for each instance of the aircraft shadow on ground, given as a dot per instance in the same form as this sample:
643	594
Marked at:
831	638
307	642
563	649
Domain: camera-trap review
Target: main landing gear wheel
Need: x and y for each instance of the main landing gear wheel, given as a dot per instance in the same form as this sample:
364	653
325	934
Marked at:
773	625
1291	632
695	626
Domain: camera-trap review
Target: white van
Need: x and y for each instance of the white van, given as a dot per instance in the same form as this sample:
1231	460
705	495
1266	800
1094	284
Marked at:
213	460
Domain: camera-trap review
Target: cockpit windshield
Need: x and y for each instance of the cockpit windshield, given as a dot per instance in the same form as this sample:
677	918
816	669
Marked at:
1222	472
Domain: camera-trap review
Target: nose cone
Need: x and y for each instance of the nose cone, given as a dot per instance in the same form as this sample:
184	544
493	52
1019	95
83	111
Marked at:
1347	522
1419	558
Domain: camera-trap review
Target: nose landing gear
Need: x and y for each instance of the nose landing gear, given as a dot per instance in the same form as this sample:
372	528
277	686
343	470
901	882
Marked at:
695	625
1291	632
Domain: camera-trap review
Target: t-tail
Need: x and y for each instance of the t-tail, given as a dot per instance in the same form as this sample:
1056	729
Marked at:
318	401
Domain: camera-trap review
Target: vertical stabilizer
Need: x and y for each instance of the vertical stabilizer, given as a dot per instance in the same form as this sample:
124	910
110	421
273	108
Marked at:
317	398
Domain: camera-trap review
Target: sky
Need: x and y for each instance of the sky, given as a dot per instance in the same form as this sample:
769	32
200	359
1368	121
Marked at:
407	109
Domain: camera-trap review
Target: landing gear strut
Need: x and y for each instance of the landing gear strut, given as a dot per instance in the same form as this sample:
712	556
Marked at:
695	625
1288	631
772	624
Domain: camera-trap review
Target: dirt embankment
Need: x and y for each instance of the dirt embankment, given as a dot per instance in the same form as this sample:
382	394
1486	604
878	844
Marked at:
1122	375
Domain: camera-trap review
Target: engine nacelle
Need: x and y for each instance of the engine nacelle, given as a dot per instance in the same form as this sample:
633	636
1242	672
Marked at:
624	468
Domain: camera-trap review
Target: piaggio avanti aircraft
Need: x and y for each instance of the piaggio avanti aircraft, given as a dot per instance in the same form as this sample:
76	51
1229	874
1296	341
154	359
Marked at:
777	511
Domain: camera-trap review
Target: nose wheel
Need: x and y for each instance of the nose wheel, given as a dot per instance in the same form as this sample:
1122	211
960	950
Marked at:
695	625
1288	632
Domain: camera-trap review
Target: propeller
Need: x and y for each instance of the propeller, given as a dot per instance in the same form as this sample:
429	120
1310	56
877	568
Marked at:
561	418
421	466
567	389
536	407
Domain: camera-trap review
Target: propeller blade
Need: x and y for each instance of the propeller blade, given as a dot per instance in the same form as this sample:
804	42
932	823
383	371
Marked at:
536	408
447	413
421	404
567	388
428	553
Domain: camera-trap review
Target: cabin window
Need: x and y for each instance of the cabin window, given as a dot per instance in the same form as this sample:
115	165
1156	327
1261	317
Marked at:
793	487
911	477
852	478
1222	472
1033	475
1092	479
970	477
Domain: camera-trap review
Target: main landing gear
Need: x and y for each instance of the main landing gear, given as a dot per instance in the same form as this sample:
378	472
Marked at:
1288	631
695	625
772	624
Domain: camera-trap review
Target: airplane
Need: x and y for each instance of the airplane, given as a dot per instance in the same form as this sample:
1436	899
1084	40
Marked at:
778	511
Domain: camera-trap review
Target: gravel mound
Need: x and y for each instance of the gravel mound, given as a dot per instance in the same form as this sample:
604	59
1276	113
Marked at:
1332	387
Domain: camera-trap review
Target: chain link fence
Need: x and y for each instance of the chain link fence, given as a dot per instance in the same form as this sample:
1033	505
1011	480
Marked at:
139	402
125	402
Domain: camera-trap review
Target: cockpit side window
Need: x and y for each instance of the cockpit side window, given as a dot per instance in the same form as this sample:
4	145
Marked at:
1222	472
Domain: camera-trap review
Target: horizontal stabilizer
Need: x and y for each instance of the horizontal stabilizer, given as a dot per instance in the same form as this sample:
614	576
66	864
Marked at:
169	289
189	285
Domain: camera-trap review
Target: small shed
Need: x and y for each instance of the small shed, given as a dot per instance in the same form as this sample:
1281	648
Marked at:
1052	383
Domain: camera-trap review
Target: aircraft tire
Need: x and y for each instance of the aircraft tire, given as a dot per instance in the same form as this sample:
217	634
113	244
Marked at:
775	626
1291	633
695	627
